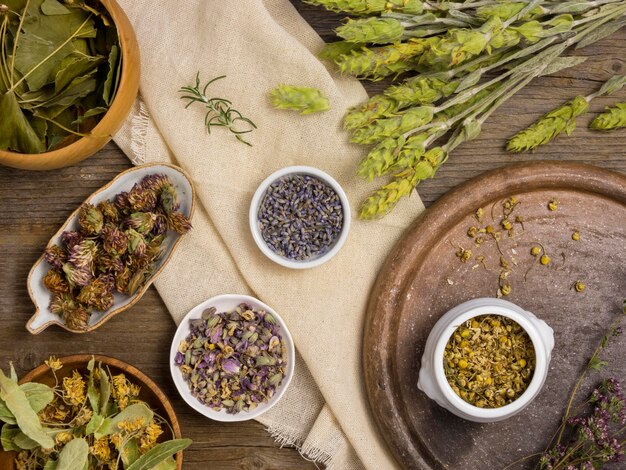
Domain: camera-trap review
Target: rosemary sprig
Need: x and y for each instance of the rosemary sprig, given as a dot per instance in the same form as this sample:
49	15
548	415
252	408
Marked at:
220	112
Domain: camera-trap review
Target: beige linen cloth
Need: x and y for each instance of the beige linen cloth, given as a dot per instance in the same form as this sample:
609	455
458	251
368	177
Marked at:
259	44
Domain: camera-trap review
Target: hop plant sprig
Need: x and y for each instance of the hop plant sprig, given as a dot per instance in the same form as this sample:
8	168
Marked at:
614	117
367	7
306	100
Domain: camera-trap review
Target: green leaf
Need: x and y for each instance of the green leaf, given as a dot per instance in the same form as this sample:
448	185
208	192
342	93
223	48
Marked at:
105	390
596	364
560	63
130	453
131	413
109	85
77	89
74	66
74	455
45	42
168	464
50	465
92	393
22	441
52	7
39	395
26	417
16	134
94	424
7	436
159	453
90	113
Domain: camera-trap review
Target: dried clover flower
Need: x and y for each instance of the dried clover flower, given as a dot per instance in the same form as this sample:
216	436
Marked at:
122	279
109	211
77	276
142	222
71	238
169	200
141	199
114	241
97	294
83	254
77	319
160	225
108	263
55	282
138	280
155	182
55	256
136	242
90	219
179	223
121	201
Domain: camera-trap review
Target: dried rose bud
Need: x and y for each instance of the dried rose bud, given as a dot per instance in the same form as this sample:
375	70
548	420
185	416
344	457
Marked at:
160	225
90	219
77	319
141	221
108	263
154	182
83	254
179	223
169	199
55	282
109	211
136	242
114	241
122	279
121	201
72	238
55	256
77	276
97	294
141	199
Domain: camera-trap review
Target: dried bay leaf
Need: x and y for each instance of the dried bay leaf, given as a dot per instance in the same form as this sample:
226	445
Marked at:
159	453
46	40
109	84
78	88
27	419
52	7
74	66
89	114
74	455
16	134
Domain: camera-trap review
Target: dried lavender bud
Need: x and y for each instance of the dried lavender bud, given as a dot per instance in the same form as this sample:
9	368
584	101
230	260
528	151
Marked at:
178	222
55	256
114	241
55	282
77	276
300	217
235	360
109	211
82	255
90	219
71	238
142	222
169	199
97	294
141	199
136	242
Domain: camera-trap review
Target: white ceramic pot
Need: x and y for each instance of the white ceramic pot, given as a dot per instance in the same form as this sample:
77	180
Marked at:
432	379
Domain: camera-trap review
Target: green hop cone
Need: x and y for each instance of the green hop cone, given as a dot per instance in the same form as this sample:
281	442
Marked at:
380	158
380	62
420	90
366	7
561	119
334	50
376	107
306	100
614	117
371	30
382	128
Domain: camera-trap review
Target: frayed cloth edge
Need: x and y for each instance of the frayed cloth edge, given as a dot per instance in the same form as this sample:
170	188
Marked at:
139	133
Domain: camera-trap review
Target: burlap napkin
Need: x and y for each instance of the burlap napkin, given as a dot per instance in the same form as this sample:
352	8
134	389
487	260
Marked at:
259	45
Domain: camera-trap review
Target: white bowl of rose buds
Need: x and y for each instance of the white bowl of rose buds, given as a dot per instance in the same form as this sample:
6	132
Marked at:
232	358
299	217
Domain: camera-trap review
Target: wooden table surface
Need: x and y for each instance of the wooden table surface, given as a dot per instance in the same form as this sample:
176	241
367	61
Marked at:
33	206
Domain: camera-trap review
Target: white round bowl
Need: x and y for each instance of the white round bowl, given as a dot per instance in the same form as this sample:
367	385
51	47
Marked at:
256	203
432	378
225	303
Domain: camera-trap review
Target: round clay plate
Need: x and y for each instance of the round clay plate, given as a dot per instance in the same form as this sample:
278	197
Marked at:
423	278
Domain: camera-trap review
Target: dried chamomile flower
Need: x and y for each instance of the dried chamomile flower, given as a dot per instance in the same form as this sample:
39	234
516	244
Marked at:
545	259
535	250
90	219
464	255
55	256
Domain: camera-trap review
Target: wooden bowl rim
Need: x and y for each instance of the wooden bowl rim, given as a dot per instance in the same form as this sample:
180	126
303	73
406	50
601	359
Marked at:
139	294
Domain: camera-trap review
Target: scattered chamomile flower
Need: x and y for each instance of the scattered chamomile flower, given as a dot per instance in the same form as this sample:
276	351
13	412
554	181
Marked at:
53	363
553	205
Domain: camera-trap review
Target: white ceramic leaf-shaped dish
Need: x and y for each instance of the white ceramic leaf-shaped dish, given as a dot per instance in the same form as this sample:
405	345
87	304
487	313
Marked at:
41	297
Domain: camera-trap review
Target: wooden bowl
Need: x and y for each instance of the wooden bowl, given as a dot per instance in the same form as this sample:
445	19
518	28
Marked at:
150	393
112	120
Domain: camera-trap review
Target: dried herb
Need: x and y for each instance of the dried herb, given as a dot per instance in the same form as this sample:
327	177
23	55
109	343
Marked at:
456	63
90	419
306	100
234	360
300	217
220	112
489	361
116	249
614	117
59	72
